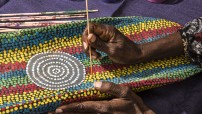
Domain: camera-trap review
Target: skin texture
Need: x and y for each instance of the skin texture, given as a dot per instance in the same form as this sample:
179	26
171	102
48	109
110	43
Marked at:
108	39
169	46
125	102
120	50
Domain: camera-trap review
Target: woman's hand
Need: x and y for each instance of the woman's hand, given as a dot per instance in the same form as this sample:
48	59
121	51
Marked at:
121	50
125	102
108	39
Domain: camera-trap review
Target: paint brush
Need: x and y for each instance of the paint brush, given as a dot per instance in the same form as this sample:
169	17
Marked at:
88	27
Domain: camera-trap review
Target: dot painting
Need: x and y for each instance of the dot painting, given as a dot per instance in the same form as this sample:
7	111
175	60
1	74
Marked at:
34	62
55	70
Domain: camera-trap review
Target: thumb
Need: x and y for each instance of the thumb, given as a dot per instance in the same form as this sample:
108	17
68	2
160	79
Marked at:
97	43
113	89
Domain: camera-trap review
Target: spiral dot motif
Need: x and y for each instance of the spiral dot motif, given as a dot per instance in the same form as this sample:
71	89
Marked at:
55	70
19	95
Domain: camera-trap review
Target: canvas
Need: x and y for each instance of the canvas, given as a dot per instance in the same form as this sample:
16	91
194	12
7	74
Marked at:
20	94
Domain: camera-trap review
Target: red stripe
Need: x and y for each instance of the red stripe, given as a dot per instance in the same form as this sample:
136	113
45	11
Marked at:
96	68
152	33
19	89
147	83
22	65
72	50
106	67
11	67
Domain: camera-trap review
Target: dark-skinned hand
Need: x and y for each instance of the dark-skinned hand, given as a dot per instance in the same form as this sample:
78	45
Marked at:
125	102
108	39
121	50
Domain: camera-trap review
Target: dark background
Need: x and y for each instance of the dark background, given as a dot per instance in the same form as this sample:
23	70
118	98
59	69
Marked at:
179	98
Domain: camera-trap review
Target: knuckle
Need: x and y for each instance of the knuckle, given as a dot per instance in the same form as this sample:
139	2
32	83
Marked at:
108	30
109	85
98	43
84	32
112	51
91	25
102	108
80	106
111	27
125	92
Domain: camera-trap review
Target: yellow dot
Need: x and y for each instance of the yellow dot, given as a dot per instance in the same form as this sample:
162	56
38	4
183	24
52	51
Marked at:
7	111
21	107
16	108
11	110
35	104
25	106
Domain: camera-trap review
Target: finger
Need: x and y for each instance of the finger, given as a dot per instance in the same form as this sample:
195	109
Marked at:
79	113
85	45
84	37
70	113
122	105
85	107
114	89
97	43
105	32
95	55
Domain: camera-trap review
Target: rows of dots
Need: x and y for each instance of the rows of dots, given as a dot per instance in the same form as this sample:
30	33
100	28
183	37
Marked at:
55	70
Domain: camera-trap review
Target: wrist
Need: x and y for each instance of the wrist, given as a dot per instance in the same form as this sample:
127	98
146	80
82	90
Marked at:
137	54
165	47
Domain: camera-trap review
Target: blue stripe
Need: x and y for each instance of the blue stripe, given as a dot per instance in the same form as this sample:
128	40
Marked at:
135	77
40	37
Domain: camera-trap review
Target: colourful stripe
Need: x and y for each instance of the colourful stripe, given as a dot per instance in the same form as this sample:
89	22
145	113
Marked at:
111	67
19	95
126	76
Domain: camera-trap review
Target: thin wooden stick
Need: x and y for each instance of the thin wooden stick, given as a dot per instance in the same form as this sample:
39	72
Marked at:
38	18
22	25
42	16
48	13
3	30
87	16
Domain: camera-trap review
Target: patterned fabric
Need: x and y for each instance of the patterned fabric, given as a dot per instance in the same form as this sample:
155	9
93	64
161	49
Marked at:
18	95
192	37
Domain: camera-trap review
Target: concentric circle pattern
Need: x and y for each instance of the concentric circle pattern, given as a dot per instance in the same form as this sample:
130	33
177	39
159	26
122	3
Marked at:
55	70
19	95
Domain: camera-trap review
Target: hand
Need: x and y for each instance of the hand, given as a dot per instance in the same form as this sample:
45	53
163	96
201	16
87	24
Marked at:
126	102
108	39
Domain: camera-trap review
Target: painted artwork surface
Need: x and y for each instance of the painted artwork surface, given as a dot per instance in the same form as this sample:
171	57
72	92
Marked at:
22	62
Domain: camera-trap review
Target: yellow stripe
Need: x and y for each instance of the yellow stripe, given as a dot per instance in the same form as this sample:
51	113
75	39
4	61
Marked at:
136	68
149	25
55	99
26	53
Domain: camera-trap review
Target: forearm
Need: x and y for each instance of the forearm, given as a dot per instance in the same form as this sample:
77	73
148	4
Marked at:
172	45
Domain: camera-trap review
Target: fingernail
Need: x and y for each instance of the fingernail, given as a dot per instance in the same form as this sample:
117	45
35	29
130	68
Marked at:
97	84
85	45
91	38
58	111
